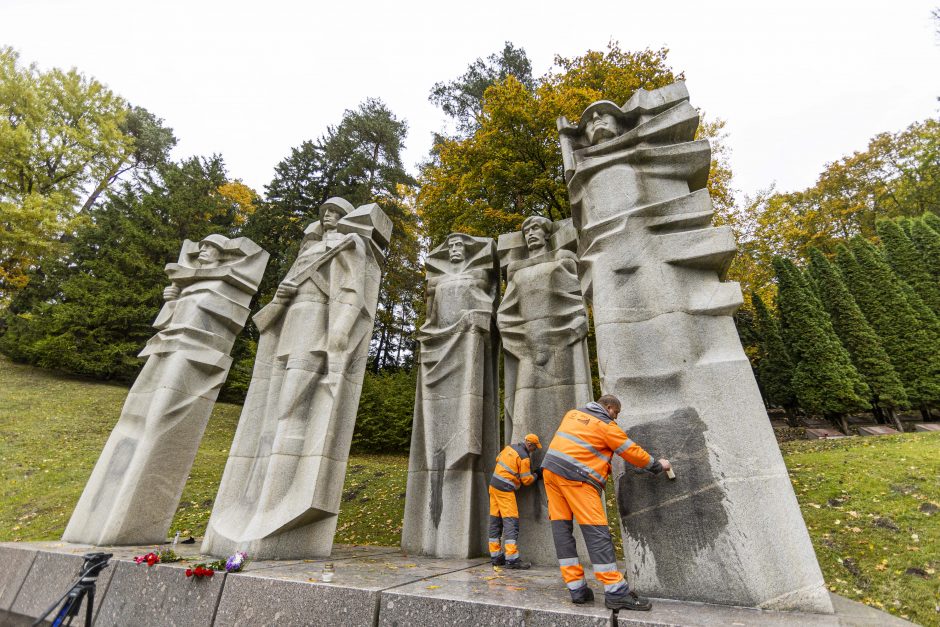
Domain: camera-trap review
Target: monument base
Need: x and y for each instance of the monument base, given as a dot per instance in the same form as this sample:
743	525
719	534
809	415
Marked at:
372	586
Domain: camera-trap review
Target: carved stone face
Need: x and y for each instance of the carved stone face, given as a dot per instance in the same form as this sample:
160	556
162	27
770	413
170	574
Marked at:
601	127
455	247
535	237
330	219
209	255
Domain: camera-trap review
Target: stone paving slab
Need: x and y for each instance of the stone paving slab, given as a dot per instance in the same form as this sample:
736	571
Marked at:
823	433
877	430
15	563
927	426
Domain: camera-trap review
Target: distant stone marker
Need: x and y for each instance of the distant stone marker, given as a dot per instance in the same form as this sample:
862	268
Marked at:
877	430
927	426
136	485
823	433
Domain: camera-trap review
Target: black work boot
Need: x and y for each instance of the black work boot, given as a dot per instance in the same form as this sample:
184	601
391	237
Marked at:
582	595
518	564
629	601
499	560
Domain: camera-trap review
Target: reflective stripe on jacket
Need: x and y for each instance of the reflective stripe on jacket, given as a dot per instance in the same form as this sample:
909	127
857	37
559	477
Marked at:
513	469
584	445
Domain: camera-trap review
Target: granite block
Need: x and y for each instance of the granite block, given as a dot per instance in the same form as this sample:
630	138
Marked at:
484	596
51	576
824	434
15	563
927	426
295	594
158	595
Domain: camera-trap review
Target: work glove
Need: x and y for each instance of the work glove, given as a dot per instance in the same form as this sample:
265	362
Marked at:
538	473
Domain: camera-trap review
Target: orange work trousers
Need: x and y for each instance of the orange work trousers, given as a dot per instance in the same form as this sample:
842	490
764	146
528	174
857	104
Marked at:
504	523
567	499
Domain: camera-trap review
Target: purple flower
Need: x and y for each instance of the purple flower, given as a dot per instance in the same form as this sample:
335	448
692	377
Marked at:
235	562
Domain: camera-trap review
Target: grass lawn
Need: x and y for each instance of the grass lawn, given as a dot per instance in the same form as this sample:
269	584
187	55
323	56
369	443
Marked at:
871	504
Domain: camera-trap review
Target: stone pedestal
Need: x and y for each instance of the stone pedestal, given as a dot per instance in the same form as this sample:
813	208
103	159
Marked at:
136	485
728	530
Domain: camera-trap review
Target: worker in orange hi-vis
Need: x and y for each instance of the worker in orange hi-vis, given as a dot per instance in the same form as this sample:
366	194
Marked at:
513	470
575	471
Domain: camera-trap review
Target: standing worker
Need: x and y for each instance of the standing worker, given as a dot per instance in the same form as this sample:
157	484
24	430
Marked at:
513	470
575	471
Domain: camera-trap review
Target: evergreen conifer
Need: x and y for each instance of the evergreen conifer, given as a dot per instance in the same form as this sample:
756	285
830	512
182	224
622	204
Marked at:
880	295
928	243
774	368
908	263
858	338
932	220
824	379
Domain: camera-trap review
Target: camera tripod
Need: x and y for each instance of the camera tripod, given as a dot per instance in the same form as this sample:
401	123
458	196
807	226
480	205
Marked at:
84	586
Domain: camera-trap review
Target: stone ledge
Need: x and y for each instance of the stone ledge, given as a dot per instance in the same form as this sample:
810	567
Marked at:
372	586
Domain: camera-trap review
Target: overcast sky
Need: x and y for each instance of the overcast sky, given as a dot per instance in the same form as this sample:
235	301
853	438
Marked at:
799	83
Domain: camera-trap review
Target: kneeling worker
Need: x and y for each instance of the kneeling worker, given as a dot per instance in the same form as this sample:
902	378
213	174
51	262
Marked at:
575	471
513	470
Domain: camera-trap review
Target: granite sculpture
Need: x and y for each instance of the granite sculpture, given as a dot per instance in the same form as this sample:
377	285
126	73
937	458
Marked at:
728	530
543	326
137	482
280	491
455	431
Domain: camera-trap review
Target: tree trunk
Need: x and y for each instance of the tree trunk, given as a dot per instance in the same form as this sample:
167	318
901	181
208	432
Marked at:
792	419
878	413
893	417
925	412
840	421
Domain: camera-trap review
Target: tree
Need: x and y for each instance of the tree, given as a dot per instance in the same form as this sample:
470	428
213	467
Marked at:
932	220
909	264
360	160
824	379
462	99
858	338
90	311
911	348
775	369
927	241
64	139
509	167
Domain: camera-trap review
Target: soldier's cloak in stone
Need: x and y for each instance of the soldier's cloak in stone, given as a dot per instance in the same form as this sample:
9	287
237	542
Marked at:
136	485
281	489
454	436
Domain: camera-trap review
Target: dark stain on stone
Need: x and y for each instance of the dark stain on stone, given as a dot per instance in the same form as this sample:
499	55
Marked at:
693	516
114	475
437	488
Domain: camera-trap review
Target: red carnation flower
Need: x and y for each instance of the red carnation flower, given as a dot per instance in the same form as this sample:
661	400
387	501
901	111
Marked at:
200	571
209	572
189	572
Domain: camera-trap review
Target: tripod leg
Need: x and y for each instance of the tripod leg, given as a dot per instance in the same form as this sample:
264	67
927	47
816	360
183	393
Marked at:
89	607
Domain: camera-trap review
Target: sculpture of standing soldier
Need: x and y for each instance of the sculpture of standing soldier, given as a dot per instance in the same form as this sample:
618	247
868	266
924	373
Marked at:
280	492
543	326
136	485
455	434
651	266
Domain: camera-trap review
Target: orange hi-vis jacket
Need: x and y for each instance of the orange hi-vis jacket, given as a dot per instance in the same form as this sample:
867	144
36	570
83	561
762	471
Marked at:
513	469
584	445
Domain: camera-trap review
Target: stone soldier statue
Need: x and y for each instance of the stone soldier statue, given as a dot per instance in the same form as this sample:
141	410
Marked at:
455	435
543	326
136	485
280	492
651	266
